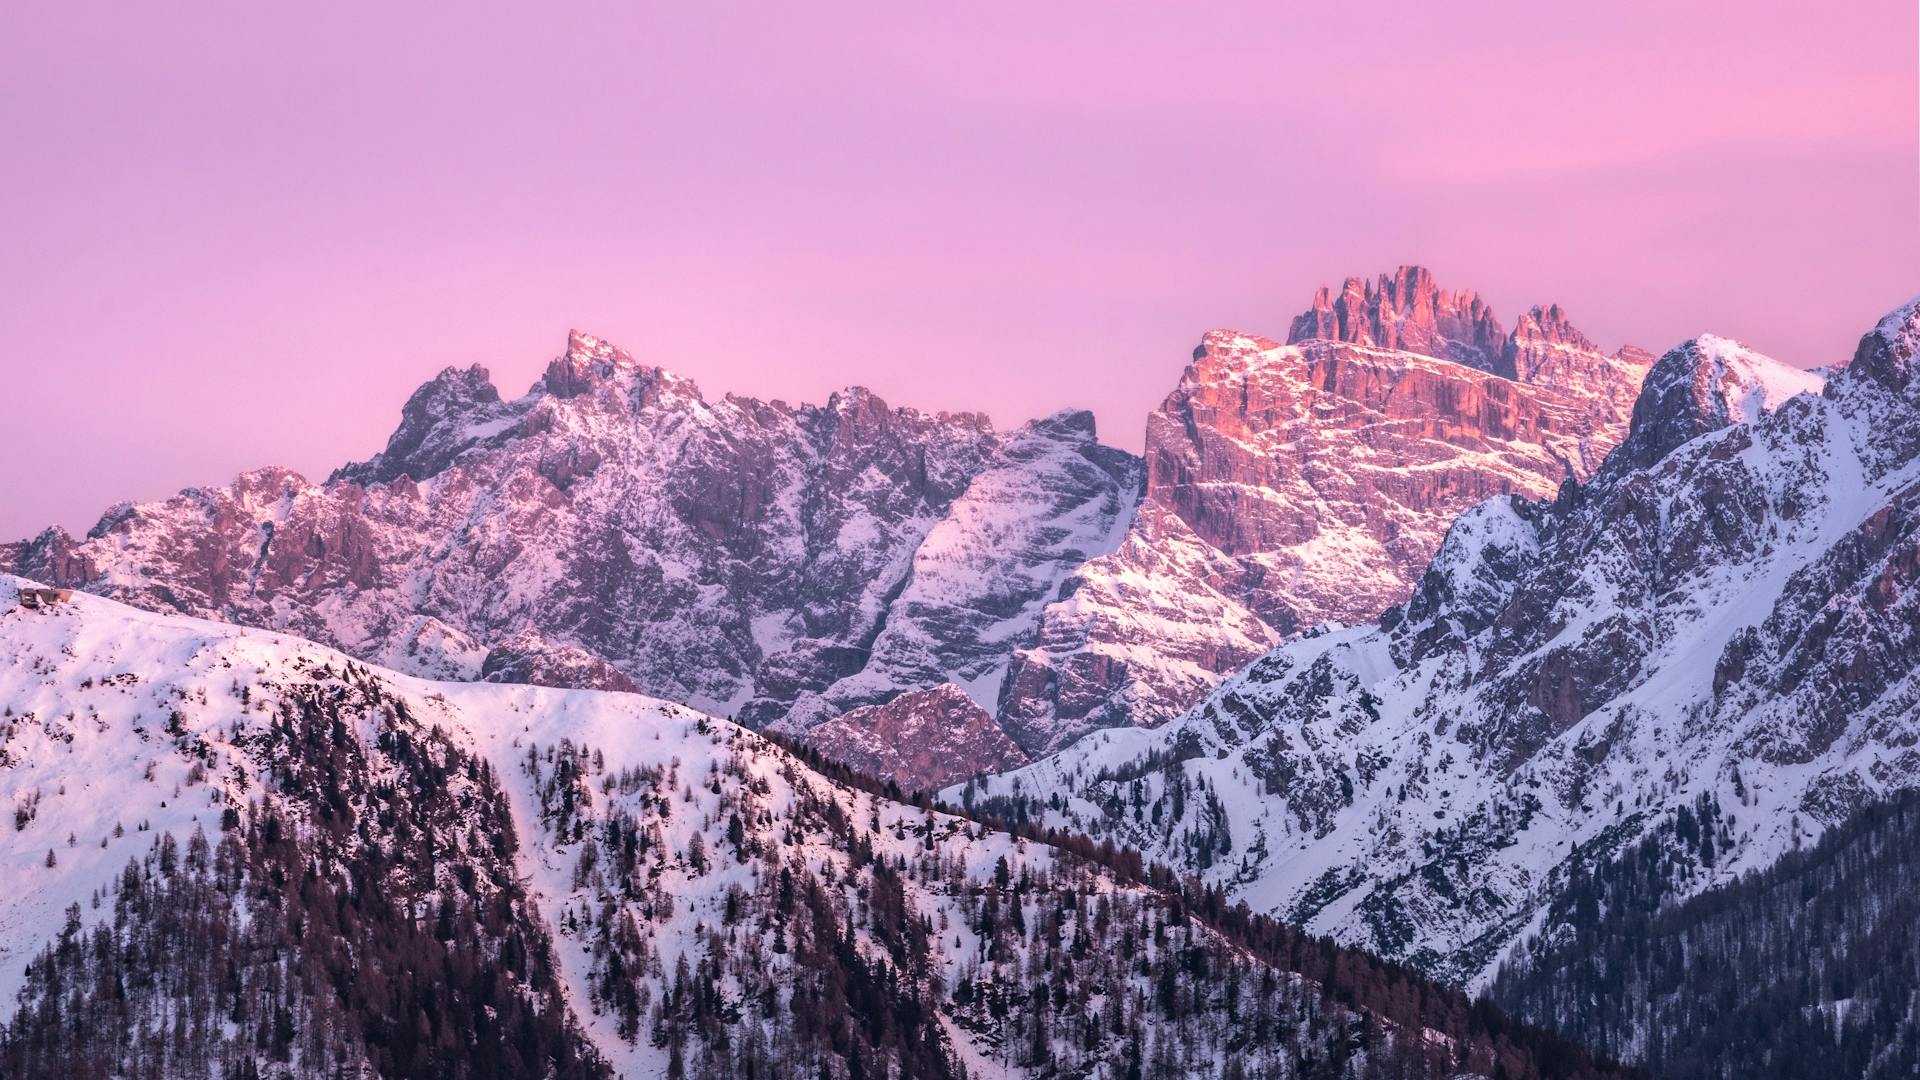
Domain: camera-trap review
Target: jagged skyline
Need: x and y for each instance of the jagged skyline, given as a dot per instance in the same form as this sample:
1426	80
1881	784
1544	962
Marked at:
225	227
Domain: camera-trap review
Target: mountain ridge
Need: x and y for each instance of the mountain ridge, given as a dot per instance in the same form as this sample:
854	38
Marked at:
1724	609
790	565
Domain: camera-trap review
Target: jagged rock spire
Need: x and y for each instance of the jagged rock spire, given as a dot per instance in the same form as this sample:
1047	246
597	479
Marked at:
1405	310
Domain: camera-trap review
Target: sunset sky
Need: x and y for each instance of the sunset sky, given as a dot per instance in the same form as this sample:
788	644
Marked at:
235	237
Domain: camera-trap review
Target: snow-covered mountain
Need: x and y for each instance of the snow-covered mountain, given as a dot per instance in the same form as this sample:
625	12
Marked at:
1048	499
240	854
788	566
1728	611
1291	485
747	557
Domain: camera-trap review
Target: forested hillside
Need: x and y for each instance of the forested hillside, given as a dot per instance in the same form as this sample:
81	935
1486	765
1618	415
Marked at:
1808	968
351	909
242	855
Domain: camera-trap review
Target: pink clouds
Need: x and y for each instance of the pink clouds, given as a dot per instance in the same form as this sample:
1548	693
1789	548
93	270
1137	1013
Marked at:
237	236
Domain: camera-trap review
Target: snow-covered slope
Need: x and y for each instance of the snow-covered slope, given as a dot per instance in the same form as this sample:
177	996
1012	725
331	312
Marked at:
291	863
1050	499
1791	972
1727	611
236	854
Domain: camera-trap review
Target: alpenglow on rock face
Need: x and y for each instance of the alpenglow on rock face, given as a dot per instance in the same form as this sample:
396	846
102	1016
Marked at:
1405	312
1712	645
788	565
922	740
613	528
1290	485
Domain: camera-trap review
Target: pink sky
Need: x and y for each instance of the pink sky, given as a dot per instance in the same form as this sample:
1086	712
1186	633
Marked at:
235	237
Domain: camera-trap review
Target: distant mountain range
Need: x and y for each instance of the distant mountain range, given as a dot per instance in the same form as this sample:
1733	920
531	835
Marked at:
788	566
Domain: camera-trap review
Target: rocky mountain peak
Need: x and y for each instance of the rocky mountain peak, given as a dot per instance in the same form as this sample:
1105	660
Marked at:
858	412
1702	385
1279	496
1551	323
421	446
53	555
855	417
1548	351
582	344
1543	327
267	483
590	361
1887	353
1405	310
460	410
1072	424
922	740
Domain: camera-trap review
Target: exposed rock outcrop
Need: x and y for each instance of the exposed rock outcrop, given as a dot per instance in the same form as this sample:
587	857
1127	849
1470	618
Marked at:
1293	485
922	740
530	659
1405	312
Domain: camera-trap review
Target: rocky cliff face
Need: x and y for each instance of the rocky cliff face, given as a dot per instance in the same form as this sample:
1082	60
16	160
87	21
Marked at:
528	658
1723	615
615	528
1405	312
1293	485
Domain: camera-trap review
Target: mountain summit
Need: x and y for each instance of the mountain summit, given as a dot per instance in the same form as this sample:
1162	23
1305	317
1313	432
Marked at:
1406	312
1298	484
